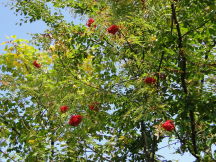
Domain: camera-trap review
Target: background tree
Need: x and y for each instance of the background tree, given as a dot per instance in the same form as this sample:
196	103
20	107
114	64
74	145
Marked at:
136	65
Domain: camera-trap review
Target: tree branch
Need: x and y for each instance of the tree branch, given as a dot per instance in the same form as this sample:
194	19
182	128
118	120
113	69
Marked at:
145	142
184	143
13	128
132	50
159	68
169	145
192	30
182	60
183	64
6	154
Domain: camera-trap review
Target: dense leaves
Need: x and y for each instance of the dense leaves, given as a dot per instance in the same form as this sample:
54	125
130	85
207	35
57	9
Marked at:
140	65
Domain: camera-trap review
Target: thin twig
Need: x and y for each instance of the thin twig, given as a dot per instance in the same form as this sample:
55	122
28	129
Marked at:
7	155
159	68
132	50
193	30
169	145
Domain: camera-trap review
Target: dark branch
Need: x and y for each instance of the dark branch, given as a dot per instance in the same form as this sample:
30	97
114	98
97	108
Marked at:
193	30
159	68
131	49
183	64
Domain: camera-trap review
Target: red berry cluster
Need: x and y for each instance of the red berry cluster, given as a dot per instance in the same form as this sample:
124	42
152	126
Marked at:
168	125
93	106
150	80
75	120
36	64
64	108
90	22
113	29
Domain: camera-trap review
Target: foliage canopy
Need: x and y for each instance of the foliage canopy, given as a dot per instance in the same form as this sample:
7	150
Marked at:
170	41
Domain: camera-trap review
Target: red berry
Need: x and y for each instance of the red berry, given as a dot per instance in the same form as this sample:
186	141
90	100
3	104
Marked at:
93	106
75	120
150	80
64	108
113	29
162	75
168	125
90	22
36	64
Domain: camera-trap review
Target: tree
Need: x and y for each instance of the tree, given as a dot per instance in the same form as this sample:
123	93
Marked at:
133	68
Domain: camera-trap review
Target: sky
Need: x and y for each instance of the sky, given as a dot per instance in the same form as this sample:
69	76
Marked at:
8	27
